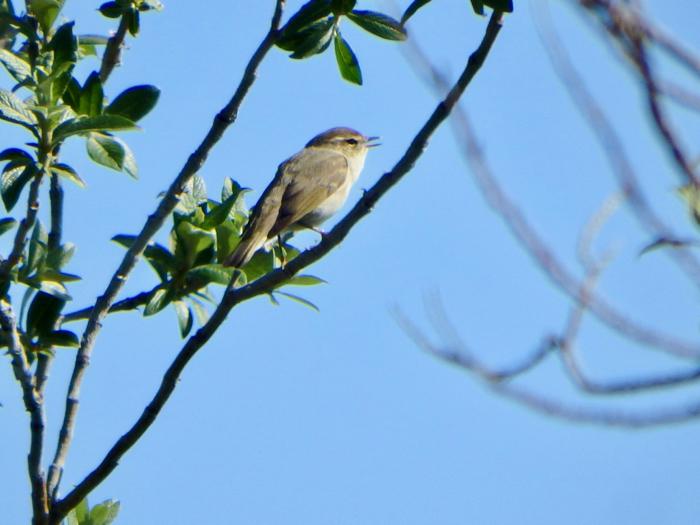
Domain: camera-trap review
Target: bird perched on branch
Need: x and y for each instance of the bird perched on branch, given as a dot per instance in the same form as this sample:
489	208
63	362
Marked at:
308	188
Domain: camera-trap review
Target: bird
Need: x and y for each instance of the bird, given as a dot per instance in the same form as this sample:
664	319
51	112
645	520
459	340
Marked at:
308	188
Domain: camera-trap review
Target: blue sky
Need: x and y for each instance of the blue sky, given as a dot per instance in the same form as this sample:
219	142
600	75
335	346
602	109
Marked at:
292	416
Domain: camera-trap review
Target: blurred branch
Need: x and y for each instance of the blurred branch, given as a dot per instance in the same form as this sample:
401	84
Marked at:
500	381
611	144
154	222
532	242
274	279
629	27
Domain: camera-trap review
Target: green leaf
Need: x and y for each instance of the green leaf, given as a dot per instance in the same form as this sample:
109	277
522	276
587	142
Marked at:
228	236
16	154
7	224
43	313
194	195
150	5
91	96
20	70
104	513
92	40
80	514
64	338
37	247
412	8
199	311
55	86
210	273
314	40
58	277
305	280
134	103
71	95
261	264
133	19
299	300
499	5
185	319
194	240
347	61
342	7
478	7
691	195
159	300
86	124
219	214
60	257
64	45
46	12
12	109
111	152
67	172
55	288
309	13
162	261
111	10
13	182
378	24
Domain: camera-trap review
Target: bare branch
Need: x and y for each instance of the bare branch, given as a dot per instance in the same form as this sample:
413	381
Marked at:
154	222
276	278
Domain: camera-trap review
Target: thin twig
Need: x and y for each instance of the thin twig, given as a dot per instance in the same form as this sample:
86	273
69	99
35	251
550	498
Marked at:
130	303
154	222
33	404
276	278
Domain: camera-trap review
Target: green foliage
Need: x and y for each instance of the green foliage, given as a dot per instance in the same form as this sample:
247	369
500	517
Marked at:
311	30
204	233
103	514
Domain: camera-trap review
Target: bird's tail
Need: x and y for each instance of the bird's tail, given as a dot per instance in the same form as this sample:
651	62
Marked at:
244	251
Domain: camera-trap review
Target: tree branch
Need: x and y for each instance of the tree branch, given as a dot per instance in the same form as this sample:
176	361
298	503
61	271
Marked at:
154	222
113	51
276	278
33	404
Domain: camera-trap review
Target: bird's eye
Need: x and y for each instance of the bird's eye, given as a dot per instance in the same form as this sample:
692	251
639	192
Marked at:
352	142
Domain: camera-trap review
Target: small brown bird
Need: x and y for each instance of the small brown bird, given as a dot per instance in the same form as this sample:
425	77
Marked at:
308	188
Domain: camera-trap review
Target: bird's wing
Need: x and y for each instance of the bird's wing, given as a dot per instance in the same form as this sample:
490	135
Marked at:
313	175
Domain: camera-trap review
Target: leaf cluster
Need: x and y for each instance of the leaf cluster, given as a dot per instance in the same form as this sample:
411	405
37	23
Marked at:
312	29
204	232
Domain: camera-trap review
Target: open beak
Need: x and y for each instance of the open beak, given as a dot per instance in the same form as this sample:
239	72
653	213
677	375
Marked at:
371	142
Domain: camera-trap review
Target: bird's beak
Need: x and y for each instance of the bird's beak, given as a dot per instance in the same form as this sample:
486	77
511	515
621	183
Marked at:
371	142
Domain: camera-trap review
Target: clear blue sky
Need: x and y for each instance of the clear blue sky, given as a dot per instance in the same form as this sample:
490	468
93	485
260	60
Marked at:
291	416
